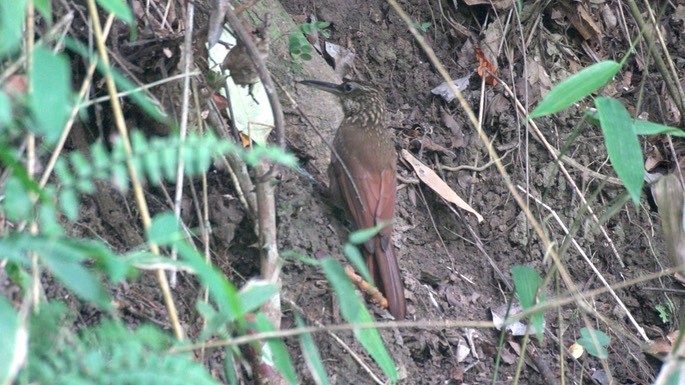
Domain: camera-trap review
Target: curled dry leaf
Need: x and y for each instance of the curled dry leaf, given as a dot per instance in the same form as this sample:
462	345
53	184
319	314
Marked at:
486	69
670	197
430	178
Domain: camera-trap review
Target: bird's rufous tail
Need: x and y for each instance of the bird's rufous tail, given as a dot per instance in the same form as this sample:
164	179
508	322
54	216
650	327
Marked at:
385	271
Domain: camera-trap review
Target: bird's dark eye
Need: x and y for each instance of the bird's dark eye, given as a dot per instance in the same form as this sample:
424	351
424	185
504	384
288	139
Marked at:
348	87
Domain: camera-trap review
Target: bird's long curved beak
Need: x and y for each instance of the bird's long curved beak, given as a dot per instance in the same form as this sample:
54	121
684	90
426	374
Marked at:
324	86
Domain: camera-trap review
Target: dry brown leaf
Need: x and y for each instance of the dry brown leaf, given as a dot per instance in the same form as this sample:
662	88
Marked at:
430	178
538	79
498	4
457	137
584	23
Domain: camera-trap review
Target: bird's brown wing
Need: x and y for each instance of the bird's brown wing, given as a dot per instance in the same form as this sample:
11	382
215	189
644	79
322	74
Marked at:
370	200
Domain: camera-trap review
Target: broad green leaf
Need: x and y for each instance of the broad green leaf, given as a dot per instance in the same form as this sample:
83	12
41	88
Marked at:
50	96
588	339
119	8
63	262
68	203
312	356
13	341
354	311
527	282
17	200
275	353
576	87
643	127
12	16
254	294
622	144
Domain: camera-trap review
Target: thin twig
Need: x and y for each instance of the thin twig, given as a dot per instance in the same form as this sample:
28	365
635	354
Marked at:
183	131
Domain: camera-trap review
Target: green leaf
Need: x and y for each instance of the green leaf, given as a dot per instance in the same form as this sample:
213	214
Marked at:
643	127
101	160
272	153
119	8
588	339
306	28
153	168
353	255
17	201
622	144
311	355
5	111
527	283
64	262
576	87
306	57
164	230
169	162
229	368
13	341
69	203
44	7
360	236
220	289
12	16
64	173
49	224
120	176
50	96
354	311
254	294
277	354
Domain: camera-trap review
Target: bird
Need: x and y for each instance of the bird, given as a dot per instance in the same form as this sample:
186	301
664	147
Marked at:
362	177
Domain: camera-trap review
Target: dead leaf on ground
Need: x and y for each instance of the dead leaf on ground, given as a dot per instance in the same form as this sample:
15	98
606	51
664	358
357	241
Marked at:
429	145
430	178
444	91
498	4
342	58
538	79
486	69
457	136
